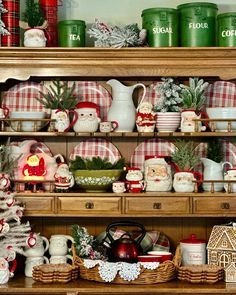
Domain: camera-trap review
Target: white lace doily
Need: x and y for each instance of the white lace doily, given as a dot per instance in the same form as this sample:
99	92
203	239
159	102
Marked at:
127	271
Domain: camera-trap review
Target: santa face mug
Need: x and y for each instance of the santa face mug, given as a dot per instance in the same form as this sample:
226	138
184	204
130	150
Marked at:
108	126
40	247
62	120
30	262
118	187
58	245
186	181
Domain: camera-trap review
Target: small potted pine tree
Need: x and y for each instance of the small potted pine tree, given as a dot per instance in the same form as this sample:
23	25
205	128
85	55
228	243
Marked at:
185	160
168	105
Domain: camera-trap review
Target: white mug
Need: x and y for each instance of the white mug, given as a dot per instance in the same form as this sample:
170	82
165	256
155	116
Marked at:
118	187
40	247
108	126
60	259
58	245
30	262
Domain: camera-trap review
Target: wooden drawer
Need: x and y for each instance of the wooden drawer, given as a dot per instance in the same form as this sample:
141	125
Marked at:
89	206
157	205
38	206
223	206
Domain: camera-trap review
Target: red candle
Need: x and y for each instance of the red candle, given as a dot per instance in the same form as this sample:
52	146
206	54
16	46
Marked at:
11	21
49	8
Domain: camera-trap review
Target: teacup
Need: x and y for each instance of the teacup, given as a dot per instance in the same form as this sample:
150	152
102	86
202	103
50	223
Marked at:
108	126
23	124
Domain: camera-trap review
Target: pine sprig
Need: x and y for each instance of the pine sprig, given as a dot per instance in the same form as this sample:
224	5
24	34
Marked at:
215	150
33	14
95	163
60	96
184	155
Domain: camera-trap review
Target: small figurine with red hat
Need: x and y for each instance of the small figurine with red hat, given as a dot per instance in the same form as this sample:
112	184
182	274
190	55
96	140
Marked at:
135	182
64	178
88	117
145	117
34	169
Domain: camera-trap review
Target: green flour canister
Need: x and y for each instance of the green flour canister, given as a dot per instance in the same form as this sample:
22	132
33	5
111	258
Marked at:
161	25
197	24
227	29
71	33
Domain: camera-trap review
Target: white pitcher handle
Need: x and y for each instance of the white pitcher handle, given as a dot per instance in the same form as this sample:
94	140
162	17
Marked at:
46	243
224	163
144	92
46	259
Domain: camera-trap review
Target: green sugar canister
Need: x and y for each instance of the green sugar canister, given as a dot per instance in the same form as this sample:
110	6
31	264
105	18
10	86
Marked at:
226	29
162	26
71	33
197	24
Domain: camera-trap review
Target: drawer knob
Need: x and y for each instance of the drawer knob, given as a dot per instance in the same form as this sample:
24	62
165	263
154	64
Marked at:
225	206
89	205
156	205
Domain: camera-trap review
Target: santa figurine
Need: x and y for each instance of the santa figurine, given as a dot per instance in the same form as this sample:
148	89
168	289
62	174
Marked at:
64	178
88	117
134	180
145	117
34	169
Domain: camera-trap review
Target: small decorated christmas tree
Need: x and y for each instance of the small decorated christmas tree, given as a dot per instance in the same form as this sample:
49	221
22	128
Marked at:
3	30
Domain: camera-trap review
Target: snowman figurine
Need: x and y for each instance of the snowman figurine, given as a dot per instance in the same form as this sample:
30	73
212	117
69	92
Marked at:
134	180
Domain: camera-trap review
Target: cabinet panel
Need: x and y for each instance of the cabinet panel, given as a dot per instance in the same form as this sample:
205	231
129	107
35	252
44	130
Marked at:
38	206
155	206
225	206
89	206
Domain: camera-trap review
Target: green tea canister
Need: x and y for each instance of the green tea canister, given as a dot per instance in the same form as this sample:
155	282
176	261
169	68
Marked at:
226	29
161	25
197	24
71	33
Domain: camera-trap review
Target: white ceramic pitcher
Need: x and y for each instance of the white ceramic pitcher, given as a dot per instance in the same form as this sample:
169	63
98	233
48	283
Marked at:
213	171
122	109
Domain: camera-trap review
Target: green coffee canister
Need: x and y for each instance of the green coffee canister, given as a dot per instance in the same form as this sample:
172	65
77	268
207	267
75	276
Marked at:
227	29
71	33
161	25
197	24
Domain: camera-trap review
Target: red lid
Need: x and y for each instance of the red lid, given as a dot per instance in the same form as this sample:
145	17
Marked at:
193	240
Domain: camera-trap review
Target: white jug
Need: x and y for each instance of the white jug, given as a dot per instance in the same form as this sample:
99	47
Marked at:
40	247
122	109
213	171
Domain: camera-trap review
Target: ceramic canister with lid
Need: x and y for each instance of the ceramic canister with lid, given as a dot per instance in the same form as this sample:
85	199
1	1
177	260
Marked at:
193	250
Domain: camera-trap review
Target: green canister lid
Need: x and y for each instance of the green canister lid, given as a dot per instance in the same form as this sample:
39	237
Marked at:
195	4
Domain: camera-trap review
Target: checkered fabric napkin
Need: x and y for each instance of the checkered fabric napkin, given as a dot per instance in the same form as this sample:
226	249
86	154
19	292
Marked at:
150	147
95	147
221	94
21	97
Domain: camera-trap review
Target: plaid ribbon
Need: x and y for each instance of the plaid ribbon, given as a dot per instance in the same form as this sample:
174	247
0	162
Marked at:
95	147
49	8
11	21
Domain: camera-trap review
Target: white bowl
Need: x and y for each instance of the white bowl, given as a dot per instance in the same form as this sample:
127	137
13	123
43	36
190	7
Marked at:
222	113
27	125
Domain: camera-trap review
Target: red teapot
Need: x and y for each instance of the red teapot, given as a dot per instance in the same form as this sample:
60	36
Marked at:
125	248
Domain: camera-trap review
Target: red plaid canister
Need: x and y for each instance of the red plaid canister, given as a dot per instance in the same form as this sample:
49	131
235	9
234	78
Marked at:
49	8
11	21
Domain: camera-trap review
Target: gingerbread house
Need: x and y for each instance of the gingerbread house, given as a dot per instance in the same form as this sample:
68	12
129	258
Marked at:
221	248
230	273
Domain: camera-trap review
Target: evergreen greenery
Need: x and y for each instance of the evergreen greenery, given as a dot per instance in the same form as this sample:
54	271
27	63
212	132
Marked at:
170	99
96	163
184	155
7	163
193	95
33	14
60	96
214	150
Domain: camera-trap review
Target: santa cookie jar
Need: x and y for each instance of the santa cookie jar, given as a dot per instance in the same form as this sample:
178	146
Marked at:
145	118
134	180
88	117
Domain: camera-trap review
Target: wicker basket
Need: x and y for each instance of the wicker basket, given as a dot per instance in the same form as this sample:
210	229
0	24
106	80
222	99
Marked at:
165	272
